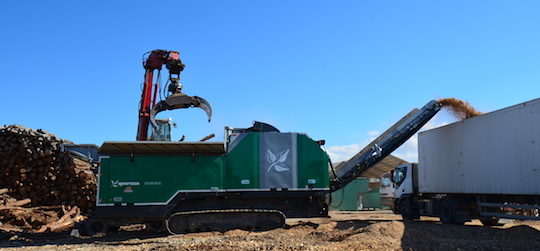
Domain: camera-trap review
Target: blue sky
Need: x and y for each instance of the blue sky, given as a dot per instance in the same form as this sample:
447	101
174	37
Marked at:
337	70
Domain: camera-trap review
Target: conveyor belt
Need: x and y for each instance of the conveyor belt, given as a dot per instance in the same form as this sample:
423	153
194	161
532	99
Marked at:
384	145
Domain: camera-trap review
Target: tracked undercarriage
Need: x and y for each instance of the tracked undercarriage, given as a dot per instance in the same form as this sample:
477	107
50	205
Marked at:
223	220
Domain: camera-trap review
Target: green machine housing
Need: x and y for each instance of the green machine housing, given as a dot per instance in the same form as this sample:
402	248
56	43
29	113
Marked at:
255	168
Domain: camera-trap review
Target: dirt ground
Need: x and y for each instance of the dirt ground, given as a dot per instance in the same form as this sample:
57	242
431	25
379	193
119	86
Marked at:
368	230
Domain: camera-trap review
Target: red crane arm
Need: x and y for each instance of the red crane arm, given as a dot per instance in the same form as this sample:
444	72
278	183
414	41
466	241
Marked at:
155	61
175	100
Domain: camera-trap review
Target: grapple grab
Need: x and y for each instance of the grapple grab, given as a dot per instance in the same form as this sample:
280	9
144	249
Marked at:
179	101
154	60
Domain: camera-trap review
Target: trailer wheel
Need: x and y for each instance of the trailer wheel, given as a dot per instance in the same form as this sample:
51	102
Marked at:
446	212
406	210
490	221
449	214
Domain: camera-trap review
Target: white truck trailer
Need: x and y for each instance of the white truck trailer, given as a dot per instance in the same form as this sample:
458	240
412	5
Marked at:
486	167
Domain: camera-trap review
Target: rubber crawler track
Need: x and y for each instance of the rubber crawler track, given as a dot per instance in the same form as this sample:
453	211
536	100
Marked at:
223	220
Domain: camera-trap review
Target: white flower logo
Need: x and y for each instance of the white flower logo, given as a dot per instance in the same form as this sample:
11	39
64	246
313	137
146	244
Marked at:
114	183
277	162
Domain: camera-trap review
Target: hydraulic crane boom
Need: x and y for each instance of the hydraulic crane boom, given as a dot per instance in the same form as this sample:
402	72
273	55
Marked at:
175	100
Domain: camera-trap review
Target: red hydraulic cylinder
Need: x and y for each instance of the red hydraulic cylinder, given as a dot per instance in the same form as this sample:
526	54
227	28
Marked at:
144	111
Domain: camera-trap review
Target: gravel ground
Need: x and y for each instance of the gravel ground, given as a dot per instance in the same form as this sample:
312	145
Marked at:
380	230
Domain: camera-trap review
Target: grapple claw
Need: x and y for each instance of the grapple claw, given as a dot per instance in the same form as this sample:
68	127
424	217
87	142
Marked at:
179	101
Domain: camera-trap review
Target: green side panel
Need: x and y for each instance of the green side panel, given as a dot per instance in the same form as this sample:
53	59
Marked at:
103	180
157	178
347	198
243	164
312	164
372	199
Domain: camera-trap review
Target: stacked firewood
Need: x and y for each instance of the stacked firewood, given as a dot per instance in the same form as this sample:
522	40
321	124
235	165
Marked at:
34	167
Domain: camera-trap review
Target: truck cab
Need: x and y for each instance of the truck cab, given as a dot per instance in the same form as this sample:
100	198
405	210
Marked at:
405	202
386	190
403	177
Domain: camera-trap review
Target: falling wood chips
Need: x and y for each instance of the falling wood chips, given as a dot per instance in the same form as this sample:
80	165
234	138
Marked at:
459	108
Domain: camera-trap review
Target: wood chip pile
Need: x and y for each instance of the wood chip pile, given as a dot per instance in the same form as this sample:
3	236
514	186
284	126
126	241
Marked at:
44	188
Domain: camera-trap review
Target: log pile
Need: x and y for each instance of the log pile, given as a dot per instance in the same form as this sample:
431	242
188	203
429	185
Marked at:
51	182
15	216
